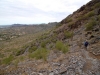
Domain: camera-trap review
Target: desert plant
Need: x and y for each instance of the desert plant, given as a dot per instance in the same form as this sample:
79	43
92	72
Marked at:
62	47
68	20
33	48
40	53
97	5
59	45
68	34
20	52
65	48
43	44
90	25
8	60
71	24
89	14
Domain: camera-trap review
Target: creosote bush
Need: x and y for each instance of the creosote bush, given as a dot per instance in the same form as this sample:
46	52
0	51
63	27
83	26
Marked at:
62	47
40	53
59	45
90	25
68	34
43	44
89	14
65	48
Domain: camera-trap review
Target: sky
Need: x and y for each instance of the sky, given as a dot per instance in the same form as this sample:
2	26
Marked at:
36	11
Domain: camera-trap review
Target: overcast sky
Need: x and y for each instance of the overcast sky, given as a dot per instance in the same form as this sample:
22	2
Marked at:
36	11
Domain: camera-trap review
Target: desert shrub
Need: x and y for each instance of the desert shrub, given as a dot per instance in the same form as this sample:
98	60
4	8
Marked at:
62	47
89	14
68	20
33	48
43	44
22	50
19	52
40	53
8	60
68	34
65	48
97	5
70	24
90	25
59	45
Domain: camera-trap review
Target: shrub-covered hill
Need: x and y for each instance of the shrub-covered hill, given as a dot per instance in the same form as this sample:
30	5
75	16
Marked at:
61	51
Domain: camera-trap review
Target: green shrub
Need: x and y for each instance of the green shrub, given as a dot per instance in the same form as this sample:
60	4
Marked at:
19	52
97	5
43	44
60	46
65	48
22	50
68	20
68	34
7	60
31	49
40	53
89	14
90	25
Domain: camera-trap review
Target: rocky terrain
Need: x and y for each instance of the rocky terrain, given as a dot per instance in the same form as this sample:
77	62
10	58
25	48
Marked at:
64	45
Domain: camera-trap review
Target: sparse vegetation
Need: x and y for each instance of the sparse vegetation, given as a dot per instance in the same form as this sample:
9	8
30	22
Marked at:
97	5
89	14
43	44
40	53
65	48
8	60
19	52
68	34
68	20
33	48
60	46
90	25
70	24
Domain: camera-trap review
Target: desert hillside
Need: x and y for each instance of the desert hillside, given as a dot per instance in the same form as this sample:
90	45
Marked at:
59	50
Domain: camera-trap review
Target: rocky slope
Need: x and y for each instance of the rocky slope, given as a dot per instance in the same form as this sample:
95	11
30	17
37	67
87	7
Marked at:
81	25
